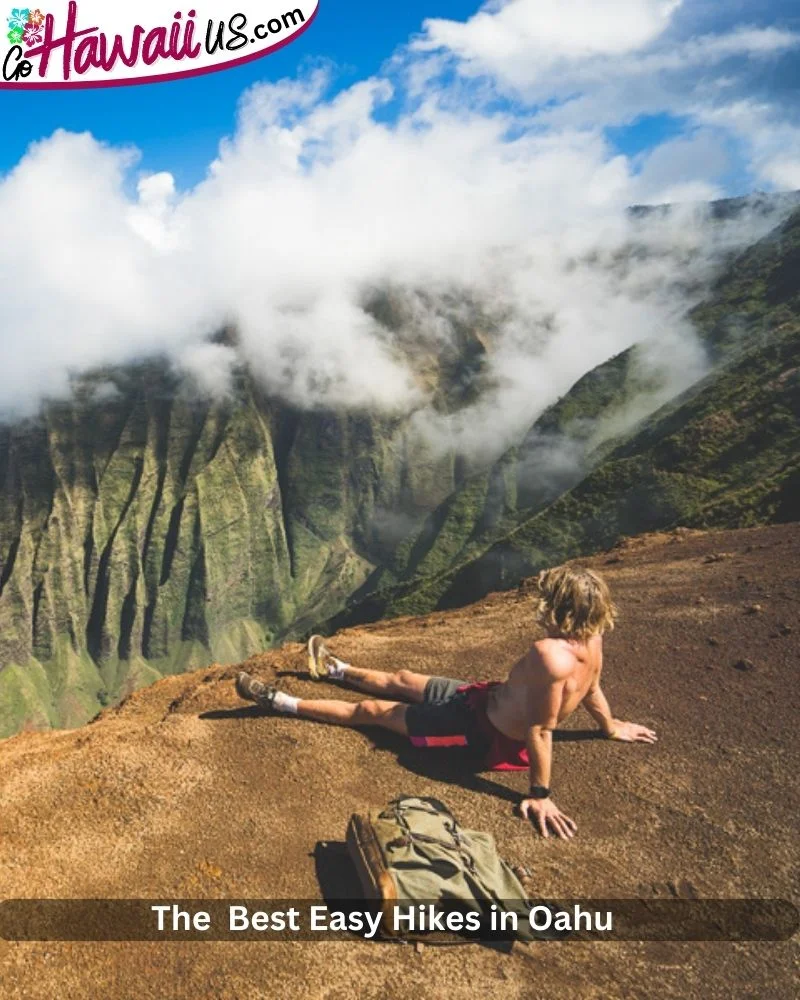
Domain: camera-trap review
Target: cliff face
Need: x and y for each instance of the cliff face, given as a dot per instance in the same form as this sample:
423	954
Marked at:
597	465
143	533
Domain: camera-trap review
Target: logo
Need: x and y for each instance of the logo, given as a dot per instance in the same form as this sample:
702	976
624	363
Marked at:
99	44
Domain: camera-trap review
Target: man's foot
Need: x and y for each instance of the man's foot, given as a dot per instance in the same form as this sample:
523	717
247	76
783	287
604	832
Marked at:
250	689
321	662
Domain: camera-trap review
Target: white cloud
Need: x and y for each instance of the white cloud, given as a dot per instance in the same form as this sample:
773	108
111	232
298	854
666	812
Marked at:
542	31
686	169
315	202
556	50
587	63
772	144
210	367
783	172
149	217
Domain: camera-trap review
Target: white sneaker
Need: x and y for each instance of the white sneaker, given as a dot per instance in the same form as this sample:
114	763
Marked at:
321	662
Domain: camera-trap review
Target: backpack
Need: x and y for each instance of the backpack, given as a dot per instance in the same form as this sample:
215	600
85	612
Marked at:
414	851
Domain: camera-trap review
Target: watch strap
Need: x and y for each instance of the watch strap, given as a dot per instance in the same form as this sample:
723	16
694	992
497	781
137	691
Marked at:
538	792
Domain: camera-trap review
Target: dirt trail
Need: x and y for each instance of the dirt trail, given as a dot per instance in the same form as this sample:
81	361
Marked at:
159	798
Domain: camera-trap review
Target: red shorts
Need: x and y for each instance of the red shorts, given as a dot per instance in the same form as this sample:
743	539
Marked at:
502	753
454	714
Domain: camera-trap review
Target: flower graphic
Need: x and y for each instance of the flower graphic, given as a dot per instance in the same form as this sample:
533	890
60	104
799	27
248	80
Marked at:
15	36
36	17
33	34
19	18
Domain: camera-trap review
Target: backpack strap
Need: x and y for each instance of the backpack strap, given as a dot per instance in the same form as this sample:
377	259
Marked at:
396	811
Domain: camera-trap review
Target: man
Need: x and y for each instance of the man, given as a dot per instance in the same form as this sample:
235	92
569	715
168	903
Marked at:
510	723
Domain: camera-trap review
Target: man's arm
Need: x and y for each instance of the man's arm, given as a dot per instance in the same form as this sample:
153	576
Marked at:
597	706
544	705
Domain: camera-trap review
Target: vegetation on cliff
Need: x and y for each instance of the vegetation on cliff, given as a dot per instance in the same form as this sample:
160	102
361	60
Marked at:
145	531
723	453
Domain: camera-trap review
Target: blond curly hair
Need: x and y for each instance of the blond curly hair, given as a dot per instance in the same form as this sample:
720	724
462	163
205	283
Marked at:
574	602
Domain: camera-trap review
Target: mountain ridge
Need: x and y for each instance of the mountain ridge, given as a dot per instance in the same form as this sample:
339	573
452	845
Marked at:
145	531
751	322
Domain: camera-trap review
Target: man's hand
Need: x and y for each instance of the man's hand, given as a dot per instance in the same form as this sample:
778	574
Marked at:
544	814
631	732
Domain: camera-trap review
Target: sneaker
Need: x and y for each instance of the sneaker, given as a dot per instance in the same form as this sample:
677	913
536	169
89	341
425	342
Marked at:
321	662
250	689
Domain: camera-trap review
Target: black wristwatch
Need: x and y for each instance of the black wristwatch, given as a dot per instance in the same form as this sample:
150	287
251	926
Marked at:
538	792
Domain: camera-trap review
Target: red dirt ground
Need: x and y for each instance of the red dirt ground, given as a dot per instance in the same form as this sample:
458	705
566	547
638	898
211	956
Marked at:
156	800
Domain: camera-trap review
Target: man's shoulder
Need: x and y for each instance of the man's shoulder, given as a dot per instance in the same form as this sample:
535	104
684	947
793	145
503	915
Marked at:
552	659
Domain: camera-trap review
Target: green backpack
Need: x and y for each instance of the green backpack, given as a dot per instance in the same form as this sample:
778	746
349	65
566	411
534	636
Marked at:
414	851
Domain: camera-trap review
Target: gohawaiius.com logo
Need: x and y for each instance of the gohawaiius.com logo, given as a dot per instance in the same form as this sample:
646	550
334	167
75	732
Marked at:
97	43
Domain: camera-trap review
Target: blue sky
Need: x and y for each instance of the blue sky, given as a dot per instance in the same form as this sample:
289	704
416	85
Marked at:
177	126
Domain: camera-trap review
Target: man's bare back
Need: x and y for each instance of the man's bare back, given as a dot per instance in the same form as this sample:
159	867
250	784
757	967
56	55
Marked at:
526	691
543	688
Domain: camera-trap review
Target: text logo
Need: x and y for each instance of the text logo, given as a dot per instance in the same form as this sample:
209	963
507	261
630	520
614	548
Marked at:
93	43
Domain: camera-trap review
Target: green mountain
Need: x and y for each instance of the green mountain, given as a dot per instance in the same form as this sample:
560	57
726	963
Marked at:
144	531
724	453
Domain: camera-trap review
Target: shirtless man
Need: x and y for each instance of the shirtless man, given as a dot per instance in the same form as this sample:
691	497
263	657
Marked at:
507	724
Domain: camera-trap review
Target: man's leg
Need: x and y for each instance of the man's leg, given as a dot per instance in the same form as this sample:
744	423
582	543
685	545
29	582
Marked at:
436	723
371	712
404	684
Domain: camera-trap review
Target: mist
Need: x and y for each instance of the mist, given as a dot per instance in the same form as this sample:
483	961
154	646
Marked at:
320	201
